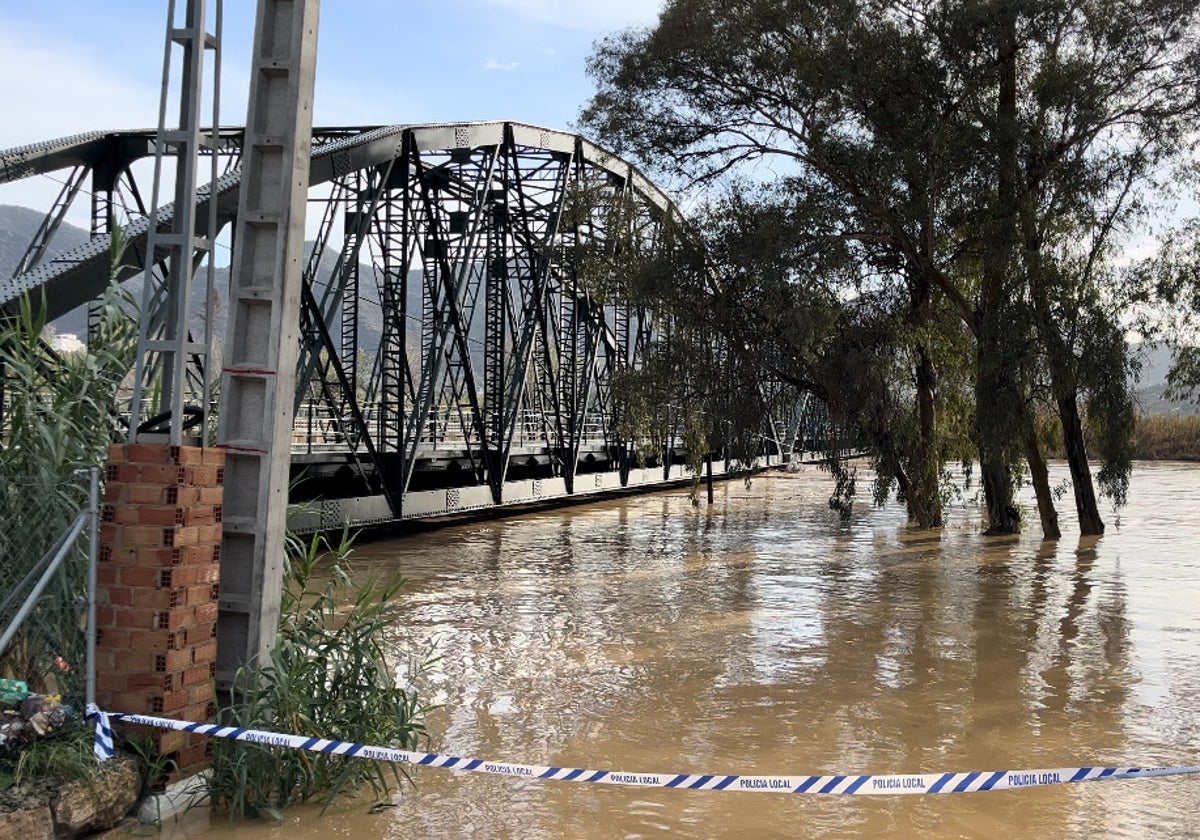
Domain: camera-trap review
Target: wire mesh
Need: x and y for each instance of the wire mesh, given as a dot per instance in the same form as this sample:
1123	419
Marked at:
49	650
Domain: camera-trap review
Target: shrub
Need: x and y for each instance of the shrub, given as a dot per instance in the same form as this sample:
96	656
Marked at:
327	677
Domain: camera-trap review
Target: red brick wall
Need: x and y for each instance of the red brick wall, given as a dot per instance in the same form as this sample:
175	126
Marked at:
160	543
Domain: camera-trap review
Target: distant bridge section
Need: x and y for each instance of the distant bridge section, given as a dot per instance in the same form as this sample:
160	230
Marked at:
453	357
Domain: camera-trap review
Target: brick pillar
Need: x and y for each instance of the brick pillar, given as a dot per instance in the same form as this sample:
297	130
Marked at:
160	545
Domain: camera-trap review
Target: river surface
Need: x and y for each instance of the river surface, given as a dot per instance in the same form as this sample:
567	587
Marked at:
763	636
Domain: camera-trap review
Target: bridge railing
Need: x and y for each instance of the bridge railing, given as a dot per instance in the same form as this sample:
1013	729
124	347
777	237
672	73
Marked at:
317	428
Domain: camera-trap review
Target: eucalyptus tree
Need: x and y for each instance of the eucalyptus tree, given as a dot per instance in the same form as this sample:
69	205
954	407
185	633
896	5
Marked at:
988	152
853	103
1108	96
821	312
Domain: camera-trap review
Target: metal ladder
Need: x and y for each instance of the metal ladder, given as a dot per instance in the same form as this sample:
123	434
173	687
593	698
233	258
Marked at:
162	357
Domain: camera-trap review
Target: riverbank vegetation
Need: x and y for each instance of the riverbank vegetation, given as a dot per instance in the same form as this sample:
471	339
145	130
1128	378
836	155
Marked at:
327	676
1156	437
1167	437
918	213
59	414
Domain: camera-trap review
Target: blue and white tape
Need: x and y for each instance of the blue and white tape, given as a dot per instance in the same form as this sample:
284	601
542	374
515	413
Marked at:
102	748
858	785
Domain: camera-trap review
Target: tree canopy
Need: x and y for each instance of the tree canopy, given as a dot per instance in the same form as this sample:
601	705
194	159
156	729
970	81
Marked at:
916	209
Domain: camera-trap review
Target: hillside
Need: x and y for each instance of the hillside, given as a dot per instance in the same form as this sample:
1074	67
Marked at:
1152	383
19	224
17	228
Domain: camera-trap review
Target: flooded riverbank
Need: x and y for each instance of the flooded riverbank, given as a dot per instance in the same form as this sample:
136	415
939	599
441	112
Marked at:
765	637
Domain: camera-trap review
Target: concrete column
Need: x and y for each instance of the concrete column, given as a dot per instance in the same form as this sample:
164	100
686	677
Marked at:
258	380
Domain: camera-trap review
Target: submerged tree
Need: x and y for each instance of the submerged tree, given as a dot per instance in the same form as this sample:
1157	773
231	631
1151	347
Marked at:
961	152
1111	98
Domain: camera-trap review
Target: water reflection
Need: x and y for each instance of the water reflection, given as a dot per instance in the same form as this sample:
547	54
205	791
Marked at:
763	636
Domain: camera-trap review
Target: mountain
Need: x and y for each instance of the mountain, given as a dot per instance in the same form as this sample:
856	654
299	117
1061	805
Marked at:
18	225
1155	360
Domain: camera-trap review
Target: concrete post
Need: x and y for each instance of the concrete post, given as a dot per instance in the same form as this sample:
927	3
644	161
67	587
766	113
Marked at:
258	380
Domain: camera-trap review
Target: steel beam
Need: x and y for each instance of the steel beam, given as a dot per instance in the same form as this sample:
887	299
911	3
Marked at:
460	230
51	222
164	358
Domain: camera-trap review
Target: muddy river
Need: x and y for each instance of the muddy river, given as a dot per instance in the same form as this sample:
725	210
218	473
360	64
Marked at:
763	636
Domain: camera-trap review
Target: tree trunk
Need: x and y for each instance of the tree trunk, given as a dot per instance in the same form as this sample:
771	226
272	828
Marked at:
992	405
1041	486
1060	363
993	401
927	467
1003	517
913	503
1090	523
915	512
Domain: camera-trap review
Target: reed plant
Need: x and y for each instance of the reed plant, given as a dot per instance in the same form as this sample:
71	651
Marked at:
58	414
327	676
1167	437
1156	437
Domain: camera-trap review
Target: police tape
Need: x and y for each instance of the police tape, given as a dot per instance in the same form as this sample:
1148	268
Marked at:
859	785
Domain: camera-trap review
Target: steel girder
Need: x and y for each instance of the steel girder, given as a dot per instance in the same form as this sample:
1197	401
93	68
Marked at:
454	251
488	340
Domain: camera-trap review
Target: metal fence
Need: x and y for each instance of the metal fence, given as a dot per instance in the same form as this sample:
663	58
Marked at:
48	541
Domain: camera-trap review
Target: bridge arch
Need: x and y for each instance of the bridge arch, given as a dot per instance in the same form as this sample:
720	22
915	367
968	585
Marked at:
446	253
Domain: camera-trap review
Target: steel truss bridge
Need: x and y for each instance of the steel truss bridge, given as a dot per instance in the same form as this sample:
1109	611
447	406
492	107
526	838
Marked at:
452	358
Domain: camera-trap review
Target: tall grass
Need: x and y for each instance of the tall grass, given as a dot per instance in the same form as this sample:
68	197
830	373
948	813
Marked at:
328	676
1167	437
1156	437
59	414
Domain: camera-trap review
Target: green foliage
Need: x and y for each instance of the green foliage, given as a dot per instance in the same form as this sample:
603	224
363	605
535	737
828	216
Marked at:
1166	291
328	677
65	755
1111	409
60	411
152	767
841	501
977	161
680	395
59	414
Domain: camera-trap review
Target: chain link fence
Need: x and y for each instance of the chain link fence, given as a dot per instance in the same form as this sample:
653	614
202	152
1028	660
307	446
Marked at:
48	532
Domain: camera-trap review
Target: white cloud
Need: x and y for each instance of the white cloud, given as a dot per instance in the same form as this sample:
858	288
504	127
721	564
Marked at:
495	65
591	15
49	91
53	86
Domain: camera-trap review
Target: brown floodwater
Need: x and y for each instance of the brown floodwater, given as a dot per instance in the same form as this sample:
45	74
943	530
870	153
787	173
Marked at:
763	636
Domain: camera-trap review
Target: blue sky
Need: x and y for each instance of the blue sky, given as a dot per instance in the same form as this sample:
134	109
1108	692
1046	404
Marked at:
68	66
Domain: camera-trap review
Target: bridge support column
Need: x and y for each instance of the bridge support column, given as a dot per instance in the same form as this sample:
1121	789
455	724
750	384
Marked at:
258	381
156	589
